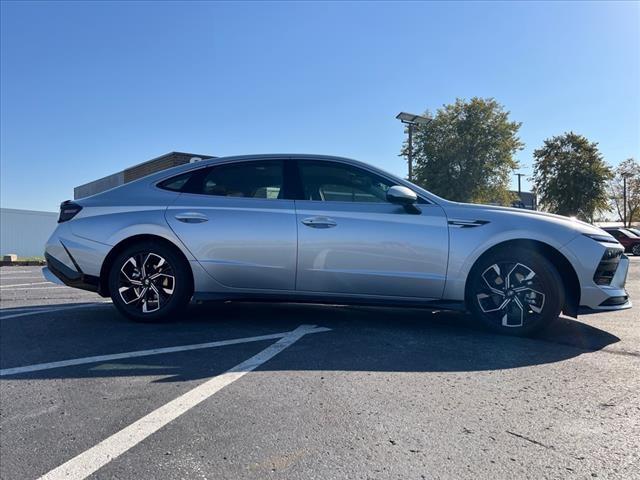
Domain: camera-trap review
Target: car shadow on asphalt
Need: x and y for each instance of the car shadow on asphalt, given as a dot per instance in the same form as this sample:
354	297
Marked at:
361	339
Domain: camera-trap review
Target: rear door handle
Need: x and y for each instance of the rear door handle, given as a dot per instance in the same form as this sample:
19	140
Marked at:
191	217
319	222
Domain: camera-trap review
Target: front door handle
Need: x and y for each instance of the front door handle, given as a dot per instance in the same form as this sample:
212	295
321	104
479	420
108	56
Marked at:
319	222
191	217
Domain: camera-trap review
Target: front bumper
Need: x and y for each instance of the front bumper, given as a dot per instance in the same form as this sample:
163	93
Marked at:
585	254
614	296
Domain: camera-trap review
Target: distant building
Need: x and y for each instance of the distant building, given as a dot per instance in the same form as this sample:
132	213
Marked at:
525	200
168	160
24	232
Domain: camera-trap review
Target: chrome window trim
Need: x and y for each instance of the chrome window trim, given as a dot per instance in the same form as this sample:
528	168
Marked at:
213	162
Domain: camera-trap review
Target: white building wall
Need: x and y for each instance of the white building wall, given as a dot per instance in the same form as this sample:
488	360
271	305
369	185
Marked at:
24	232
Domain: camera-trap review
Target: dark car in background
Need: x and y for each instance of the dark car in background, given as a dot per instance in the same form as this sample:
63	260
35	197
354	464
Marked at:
635	231
629	240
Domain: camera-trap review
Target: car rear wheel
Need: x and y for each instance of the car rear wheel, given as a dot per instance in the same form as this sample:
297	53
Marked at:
516	292
150	282
636	249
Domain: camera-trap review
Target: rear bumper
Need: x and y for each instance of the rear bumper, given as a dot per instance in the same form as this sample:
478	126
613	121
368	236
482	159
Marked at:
73	260
68	276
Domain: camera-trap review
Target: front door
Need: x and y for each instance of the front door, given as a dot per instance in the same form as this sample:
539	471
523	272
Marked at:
352	241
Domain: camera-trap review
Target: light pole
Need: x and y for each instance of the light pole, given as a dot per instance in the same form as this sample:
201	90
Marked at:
624	199
519	175
411	120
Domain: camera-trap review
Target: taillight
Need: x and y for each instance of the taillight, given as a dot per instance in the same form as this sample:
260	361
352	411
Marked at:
68	210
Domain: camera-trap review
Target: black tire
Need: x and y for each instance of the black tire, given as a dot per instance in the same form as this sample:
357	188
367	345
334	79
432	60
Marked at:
152	297
636	249
531	298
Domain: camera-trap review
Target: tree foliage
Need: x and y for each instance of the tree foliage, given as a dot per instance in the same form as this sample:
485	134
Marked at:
467	152
570	176
630	169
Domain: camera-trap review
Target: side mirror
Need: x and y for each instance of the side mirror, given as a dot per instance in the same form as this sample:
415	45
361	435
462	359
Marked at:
403	196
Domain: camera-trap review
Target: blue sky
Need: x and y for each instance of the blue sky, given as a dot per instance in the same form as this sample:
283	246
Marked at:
88	89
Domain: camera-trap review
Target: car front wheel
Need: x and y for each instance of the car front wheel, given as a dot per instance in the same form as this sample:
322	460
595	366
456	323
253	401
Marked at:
515	291
636	249
150	282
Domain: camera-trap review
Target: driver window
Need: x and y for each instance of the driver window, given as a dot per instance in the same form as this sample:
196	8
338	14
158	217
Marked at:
336	182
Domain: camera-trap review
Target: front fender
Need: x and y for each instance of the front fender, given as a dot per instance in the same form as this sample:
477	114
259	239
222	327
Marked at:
468	244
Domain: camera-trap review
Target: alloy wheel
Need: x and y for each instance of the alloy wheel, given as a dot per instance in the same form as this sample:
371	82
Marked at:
511	293
146	282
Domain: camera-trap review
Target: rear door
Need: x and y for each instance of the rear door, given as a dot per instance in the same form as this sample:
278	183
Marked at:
236	220
351	240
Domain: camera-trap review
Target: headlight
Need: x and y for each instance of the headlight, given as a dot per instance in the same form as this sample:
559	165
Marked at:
601	238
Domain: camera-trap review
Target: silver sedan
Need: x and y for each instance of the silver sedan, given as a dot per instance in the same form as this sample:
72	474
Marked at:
309	228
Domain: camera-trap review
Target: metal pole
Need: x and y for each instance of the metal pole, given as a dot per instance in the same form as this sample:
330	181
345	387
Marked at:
624	200
519	175
410	155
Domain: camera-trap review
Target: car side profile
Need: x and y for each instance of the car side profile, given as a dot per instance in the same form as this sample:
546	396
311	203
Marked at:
628	238
311	228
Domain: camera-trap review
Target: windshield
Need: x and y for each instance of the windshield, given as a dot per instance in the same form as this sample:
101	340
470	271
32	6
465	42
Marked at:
629	233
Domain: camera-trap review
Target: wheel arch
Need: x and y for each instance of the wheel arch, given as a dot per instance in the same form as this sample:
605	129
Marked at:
567	273
122	245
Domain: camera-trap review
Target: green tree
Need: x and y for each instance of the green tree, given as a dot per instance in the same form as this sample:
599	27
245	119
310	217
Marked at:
466	153
630	169
570	176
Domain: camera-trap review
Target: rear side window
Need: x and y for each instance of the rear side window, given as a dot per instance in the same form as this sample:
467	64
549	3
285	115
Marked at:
176	184
259	179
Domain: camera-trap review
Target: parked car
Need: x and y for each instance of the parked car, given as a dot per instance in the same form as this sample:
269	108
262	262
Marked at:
635	231
629	240
309	228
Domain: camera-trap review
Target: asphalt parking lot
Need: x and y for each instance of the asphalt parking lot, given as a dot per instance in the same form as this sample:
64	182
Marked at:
306	391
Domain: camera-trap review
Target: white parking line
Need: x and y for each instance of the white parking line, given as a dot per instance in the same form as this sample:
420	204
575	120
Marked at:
11	272
32	308
91	460
35	277
30	289
49	310
144	353
23	285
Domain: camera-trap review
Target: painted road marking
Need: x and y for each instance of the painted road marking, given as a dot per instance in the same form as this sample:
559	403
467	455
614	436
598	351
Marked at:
53	306
11	272
37	277
91	460
50	310
144	353
28	308
24	285
30	289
